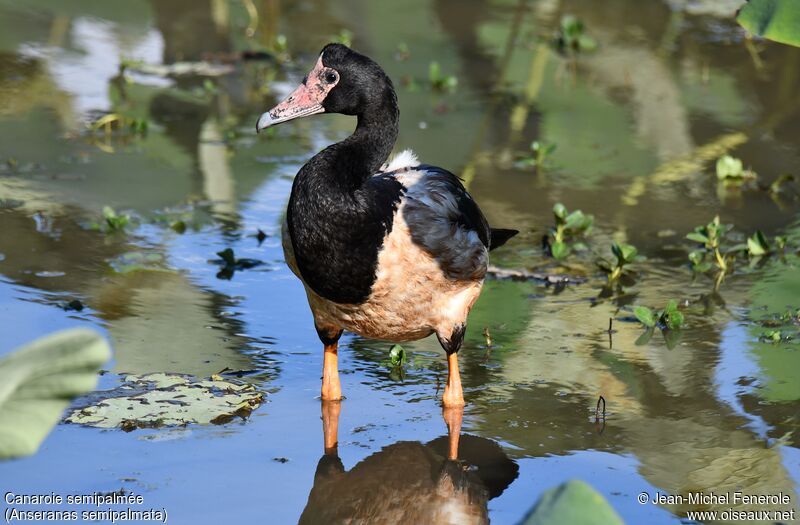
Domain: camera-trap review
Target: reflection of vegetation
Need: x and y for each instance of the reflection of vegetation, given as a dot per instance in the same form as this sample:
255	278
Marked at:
779	361
230	264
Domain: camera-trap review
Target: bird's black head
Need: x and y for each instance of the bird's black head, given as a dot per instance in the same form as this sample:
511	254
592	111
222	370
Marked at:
342	81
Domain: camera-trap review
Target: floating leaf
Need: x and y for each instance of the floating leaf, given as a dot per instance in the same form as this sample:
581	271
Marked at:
729	167
165	400
397	355
777	20
697	237
771	336
560	211
38	381
573	502
757	244
560	250
645	316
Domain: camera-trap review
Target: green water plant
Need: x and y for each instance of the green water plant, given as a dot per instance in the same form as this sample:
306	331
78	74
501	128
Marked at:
625	255
397	356
38	381
115	221
111	221
574	502
571	36
759	246
539	154
568	226
731	171
111	122
711	237
668	317
438	80
669	320
772	336
777	20
168	400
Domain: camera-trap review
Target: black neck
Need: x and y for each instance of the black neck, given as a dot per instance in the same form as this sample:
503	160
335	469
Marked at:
347	164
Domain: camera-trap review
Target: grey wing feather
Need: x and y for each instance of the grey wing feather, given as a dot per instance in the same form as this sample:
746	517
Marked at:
444	220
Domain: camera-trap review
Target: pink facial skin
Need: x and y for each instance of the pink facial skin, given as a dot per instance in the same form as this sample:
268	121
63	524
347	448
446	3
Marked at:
305	100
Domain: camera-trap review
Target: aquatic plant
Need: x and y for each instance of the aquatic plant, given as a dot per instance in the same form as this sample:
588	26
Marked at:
438	80
731	171
711	237
777	20
625	254
669	317
539	153
568	226
571	36
758	245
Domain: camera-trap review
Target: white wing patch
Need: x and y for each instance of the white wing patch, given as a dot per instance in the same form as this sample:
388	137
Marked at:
404	159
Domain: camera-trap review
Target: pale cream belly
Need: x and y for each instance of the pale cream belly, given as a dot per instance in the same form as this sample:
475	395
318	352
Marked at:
410	299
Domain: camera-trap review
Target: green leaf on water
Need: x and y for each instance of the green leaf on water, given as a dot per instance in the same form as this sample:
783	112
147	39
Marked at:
625	253
573	502
560	250
758	245
697	237
645	316
168	400
397	355
729	167
560	211
38	381
115	222
777	20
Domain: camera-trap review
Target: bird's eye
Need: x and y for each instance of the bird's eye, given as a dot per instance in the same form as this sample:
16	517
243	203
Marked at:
331	77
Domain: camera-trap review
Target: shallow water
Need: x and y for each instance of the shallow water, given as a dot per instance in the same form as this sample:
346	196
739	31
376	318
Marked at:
633	122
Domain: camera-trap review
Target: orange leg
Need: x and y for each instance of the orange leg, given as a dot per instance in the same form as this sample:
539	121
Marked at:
452	417
331	389
330	426
453	396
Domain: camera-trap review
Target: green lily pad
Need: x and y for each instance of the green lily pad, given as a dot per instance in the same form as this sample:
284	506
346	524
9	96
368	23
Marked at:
38	381
168	400
574	502
777	20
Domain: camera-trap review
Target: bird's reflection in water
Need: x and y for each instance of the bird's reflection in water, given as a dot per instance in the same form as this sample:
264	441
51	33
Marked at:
449	480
